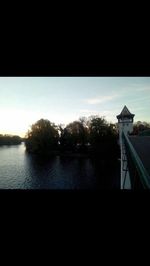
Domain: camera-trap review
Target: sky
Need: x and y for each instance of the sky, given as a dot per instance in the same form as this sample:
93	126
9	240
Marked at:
24	100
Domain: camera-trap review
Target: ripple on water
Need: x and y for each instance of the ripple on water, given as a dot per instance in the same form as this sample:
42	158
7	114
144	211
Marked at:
18	170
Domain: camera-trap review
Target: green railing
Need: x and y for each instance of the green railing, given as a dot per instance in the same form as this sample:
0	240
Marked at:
138	173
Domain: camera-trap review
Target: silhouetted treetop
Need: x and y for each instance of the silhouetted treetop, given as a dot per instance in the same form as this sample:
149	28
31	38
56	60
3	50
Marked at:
42	137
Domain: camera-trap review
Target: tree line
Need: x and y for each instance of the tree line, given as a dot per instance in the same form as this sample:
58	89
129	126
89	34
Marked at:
92	135
140	128
10	140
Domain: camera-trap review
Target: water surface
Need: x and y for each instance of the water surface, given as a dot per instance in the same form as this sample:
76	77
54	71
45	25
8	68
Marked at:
19	170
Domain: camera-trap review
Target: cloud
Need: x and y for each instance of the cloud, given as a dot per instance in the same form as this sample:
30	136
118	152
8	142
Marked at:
144	88
134	88
139	99
101	99
139	108
86	111
110	115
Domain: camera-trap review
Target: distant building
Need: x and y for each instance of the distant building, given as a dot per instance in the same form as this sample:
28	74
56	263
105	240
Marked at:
125	121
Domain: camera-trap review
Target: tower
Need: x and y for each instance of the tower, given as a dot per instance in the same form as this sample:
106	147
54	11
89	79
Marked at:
125	124
125	121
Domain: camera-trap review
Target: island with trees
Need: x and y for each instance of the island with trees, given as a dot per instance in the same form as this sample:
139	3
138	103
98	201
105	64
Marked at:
92	136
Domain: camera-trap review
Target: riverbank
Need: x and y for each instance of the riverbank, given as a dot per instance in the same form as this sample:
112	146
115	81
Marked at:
10	140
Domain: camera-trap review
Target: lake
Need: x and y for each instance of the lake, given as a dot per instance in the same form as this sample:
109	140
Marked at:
20	170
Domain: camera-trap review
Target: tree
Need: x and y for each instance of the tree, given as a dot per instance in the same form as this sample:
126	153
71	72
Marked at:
73	135
139	127
98	128
43	137
102	136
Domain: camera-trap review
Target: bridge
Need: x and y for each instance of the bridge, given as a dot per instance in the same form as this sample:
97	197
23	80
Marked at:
135	154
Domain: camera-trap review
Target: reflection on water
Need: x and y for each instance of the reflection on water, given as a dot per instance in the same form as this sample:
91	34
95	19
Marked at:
19	170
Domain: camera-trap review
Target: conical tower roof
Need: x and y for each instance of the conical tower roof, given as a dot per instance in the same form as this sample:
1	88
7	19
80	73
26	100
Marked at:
125	113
